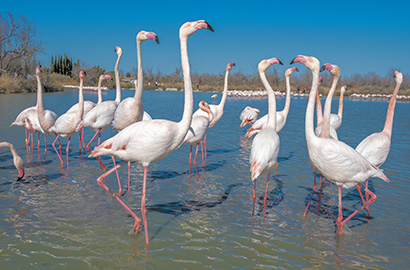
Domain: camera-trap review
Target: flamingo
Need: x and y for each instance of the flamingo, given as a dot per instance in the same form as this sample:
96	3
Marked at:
265	145
280	116
336	119
33	125
89	105
217	110
149	141
101	116
376	147
335	160
21	123
131	109
324	129
18	162
65	126
197	131
249	116
46	118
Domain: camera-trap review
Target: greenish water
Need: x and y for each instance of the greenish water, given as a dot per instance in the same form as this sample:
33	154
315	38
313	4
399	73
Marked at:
61	218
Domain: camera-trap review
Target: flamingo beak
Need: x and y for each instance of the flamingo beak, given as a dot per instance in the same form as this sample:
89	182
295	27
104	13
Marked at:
20	174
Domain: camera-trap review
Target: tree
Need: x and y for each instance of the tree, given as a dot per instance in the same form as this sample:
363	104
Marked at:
18	44
52	64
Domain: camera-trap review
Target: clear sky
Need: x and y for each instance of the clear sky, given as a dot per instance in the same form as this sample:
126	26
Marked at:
359	36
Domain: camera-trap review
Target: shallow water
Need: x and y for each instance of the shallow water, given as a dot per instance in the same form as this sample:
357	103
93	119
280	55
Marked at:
57	217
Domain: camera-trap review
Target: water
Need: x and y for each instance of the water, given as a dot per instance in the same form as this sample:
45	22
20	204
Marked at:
57	218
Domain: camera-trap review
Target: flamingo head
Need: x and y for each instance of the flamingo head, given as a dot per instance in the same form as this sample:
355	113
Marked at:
310	62
205	107
343	89
106	77
189	28
266	63
38	70
398	76
145	35
320	79
82	74
19	164
289	71
230	65
118	50
333	69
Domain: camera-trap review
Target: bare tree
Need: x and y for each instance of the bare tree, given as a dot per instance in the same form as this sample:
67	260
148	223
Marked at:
18	44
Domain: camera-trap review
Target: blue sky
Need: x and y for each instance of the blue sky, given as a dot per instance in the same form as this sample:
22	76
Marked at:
359	36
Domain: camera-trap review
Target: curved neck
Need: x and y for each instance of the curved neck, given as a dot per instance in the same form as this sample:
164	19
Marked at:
9	146
388	125
188	105
117	81
319	115
271	101
328	106
99	90
309	130
221	104
80	111
340	112
287	102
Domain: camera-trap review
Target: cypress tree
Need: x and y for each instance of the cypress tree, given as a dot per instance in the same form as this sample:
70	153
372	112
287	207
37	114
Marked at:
55	65
52	64
60	64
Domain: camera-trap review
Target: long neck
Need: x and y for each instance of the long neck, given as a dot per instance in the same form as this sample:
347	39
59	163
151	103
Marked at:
9	146
221	104
287	102
340	112
117	81
40	107
319	115
140	77
328	106
309	130
388	125
271	101
99	91
188	105
80	111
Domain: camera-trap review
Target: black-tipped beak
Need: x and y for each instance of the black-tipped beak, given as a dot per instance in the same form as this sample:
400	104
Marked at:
292	62
156	39
209	27
280	62
322	68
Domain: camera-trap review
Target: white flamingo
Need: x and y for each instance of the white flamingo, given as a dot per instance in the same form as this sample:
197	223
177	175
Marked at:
65	125
149	141
335	160
17	161
46	118
248	116
33	125
197	131
336	119
131	109
265	145
376	147
280	116
217	110
19	121
101	116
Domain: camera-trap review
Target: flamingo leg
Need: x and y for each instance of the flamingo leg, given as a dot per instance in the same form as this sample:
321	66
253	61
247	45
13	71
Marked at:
53	144
373	197
253	198
66	150
190	160
38	143
196	154
143	208
340	217
99	138
364	202
367	196
92	139
321	183
26	140
202	151
101	183
129	175
45	146
118	178
313	192
60	147
206	156
266	194
82	138
32	144
79	140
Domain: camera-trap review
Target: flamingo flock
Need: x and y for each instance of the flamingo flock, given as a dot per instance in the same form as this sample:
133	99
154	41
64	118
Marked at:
145	140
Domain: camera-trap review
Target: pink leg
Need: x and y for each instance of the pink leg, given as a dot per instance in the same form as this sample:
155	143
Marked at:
82	138
364	202
206	155
202	151
79	141
266	194
45	146
340	217
143	209
67	149
190	160
32	143
313	192
101	183
53	144
60	147
367	196
92	139
25	129
196	154
253	198
129	175
321	182
373	197
118	178
38	142
99	138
